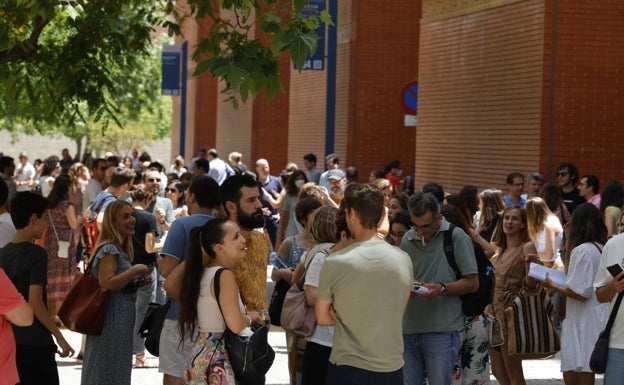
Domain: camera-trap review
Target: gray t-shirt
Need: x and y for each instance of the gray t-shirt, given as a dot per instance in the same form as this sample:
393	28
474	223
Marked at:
368	283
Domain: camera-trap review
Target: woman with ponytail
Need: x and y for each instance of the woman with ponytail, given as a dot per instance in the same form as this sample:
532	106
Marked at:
216	245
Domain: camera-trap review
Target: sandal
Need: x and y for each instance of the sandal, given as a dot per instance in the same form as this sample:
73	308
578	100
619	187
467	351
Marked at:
141	362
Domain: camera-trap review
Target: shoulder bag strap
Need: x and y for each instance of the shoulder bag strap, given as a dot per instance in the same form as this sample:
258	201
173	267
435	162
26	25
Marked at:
613	313
449	250
53	227
310	257
598	247
216	280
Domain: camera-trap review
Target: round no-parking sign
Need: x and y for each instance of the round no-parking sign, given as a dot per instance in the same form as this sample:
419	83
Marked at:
409	98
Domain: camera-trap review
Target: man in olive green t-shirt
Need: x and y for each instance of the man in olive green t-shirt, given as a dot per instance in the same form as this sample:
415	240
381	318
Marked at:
363	290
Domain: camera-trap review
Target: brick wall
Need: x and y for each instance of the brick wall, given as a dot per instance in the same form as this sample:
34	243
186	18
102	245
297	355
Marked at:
383	58
583	114
480	96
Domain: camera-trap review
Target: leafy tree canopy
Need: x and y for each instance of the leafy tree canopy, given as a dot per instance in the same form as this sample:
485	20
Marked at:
70	63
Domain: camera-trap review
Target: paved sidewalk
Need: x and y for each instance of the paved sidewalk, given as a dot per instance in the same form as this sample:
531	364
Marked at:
537	372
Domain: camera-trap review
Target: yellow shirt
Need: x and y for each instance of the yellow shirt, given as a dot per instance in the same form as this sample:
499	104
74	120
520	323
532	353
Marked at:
251	272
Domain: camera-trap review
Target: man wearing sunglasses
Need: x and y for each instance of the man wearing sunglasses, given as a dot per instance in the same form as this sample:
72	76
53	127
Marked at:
161	207
567	178
94	187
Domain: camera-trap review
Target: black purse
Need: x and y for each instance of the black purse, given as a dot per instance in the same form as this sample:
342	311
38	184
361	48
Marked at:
250	357
598	359
277	301
152	325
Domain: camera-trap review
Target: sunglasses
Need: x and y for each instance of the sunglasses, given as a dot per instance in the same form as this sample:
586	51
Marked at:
153	180
172	190
562	173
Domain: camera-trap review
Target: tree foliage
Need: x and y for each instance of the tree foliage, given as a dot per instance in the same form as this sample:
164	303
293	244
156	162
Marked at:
71	65
69	62
231	50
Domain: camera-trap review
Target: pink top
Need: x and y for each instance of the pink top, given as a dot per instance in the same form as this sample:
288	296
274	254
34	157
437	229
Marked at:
10	299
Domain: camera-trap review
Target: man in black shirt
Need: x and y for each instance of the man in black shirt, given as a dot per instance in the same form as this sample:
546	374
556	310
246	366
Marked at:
567	177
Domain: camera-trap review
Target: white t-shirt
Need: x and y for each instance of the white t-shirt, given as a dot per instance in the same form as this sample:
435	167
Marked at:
612	253
322	335
24	172
7	230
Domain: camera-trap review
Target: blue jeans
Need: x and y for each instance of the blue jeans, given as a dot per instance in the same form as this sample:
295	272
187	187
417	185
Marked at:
615	367
433	353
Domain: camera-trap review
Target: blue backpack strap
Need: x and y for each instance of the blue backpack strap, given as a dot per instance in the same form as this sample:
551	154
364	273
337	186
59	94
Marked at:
449	250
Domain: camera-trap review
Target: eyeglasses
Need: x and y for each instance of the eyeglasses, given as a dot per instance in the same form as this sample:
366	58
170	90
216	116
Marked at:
153	180
560	174
423	228
172	190
620	224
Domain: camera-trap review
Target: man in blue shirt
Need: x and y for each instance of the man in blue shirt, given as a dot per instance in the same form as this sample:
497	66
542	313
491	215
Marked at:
202	199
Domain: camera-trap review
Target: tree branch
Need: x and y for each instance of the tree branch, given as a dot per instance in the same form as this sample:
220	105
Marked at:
31	46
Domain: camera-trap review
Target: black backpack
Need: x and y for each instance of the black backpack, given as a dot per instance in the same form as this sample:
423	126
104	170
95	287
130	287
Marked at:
473	304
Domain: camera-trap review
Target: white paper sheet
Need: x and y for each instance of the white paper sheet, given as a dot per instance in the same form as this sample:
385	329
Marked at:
539	272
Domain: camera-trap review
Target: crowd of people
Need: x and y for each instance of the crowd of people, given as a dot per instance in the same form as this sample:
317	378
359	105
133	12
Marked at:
373	256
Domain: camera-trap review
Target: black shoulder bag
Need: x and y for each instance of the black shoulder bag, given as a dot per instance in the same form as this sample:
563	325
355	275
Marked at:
598	359
251	357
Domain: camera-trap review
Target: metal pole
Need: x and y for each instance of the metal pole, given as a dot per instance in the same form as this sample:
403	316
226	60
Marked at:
330	107
183	99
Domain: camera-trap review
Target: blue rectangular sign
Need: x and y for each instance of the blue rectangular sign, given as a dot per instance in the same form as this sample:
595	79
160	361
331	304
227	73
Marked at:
171	59
316	61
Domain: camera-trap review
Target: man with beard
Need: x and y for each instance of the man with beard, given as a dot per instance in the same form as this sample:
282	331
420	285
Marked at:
337	183
202	199
241	202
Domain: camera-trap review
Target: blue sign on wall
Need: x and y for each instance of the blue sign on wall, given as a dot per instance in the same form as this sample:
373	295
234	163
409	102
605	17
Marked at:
171	59
316	61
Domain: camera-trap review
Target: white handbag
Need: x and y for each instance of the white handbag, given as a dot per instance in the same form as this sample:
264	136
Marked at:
63	246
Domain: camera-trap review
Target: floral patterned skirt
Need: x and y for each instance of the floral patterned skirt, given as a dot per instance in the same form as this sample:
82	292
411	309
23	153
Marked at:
472	366
208	363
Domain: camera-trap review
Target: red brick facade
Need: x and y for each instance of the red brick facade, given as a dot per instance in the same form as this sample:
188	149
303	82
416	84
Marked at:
510	85
377	55
519	87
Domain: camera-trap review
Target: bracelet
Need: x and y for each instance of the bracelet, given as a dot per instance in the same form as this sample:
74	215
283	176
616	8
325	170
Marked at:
248	319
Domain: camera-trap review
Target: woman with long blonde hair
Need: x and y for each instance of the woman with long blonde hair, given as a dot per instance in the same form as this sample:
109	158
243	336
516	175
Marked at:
514	253
108	357
545	230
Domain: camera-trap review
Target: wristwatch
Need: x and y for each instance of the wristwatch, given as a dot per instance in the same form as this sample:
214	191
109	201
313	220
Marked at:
442	289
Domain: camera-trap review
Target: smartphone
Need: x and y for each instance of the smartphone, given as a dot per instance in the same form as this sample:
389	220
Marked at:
615	269
420	289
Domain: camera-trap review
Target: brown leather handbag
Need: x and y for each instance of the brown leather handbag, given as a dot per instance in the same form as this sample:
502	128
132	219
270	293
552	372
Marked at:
84	308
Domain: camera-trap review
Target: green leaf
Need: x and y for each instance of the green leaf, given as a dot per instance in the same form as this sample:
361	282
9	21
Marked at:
326	17
303	46
299	4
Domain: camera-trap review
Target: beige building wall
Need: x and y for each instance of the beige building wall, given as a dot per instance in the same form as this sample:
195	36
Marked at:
308	97
233	125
